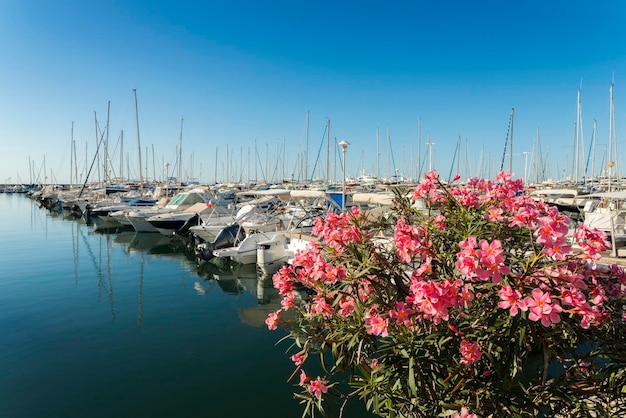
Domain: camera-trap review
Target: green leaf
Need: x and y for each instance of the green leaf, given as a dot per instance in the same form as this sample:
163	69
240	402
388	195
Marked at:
411	377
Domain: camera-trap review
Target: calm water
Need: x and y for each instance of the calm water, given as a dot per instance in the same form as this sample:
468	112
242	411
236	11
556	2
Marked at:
124	325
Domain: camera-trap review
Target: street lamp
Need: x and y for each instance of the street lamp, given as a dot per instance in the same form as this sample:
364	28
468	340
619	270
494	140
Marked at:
344	148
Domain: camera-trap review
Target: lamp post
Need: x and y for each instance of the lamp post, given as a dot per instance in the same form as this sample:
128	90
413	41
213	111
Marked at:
344	148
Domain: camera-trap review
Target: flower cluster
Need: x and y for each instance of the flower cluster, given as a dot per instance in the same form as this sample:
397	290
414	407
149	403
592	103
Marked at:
455	303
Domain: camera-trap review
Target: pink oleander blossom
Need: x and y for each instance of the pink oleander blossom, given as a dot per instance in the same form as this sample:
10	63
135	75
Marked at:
376	324
542	308
317	387
304	379
511	299
272	320
429	190
592	242
346	306
321	306
464	413
470	352
402	314
433	299
410	240
494	214
288	301
490	252
475	278
440	222
298	359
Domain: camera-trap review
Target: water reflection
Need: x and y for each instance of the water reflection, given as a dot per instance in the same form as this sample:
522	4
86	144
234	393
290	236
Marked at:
132	324
102	252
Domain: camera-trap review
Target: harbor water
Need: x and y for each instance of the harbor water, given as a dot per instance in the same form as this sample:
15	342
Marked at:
126	325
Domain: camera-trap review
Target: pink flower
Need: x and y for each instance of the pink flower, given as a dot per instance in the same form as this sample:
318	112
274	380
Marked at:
467	264
470	352
525	216
592	242
511	299
304	379
464	414
283	280
490	253
504	177
469	244
439	221
321	306
288	301
494	214
376	324
402	314
317	387
297	359
466	296
542	308
493	272
410	240
433	299
272	320
346	306
556	247
428	188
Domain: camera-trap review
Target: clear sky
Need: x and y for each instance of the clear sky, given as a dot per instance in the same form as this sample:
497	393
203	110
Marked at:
242	76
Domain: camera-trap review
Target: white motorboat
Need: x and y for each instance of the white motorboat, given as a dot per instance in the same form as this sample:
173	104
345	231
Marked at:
180	202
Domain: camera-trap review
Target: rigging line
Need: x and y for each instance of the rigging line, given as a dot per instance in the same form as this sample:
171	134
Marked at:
319	151
92	161
393	160
506	142
593	139
456	149
280	150
258	157
419	176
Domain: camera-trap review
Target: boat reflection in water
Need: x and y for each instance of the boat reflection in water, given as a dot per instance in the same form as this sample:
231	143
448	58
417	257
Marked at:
229	276
133	325
234	278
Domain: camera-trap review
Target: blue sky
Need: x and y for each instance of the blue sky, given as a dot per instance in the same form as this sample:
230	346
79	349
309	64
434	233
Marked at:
244	74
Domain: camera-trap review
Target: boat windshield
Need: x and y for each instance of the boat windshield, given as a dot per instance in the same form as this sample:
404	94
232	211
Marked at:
178	199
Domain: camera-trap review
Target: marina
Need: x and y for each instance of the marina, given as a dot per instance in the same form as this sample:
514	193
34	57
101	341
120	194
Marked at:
124	324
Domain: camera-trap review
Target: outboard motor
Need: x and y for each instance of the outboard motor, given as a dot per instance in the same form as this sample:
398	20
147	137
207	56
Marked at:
229	236
193	221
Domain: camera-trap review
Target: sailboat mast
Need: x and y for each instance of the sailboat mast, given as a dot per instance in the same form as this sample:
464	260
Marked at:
430	153
106	146
328	155
215	165
389	154
306	151
138	139
593	150
180	152
458	161
419	147
511	146
122	155
377	154
610	163
581	135
72	154
97	156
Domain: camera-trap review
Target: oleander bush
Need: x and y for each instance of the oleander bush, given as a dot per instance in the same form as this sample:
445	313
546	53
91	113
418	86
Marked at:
480	302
